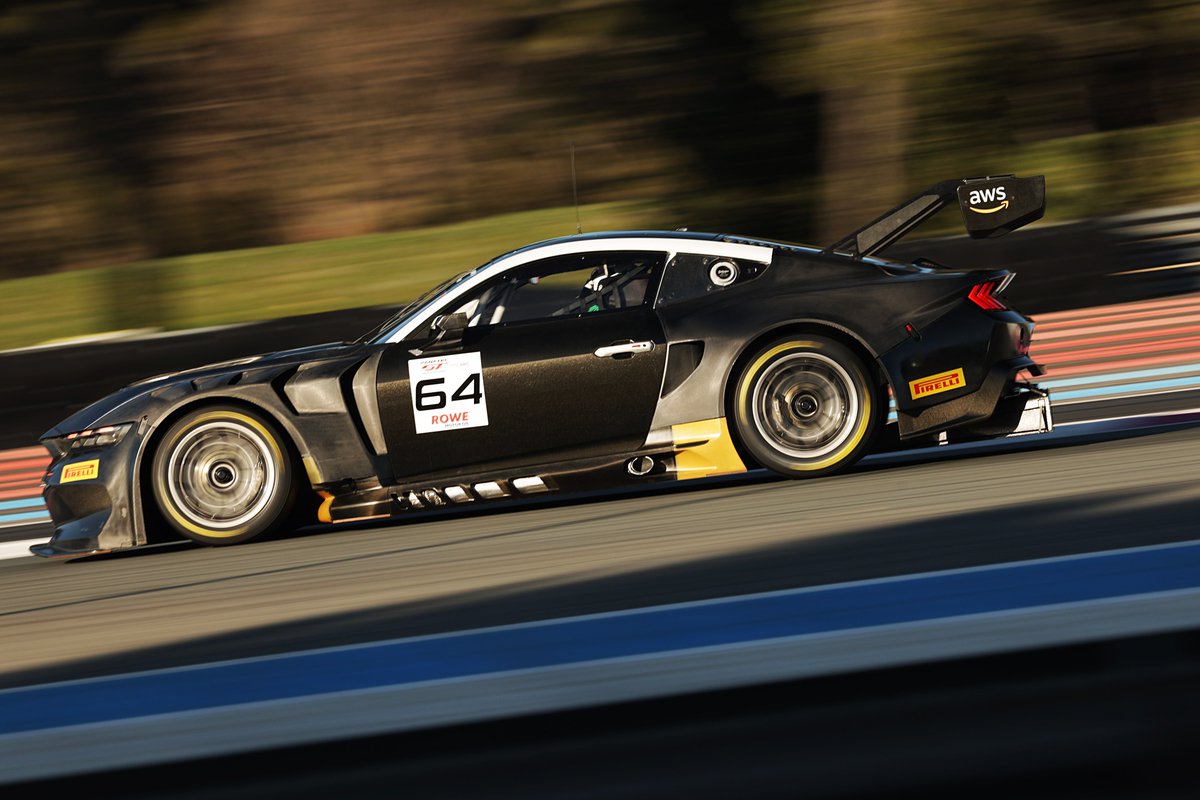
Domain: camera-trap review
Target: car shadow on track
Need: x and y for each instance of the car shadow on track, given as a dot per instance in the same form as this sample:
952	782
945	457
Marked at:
1075	524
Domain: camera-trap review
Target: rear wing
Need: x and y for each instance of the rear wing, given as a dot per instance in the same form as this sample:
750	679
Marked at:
991	206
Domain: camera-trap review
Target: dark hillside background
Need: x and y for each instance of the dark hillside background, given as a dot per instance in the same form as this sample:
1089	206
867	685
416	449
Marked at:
137	129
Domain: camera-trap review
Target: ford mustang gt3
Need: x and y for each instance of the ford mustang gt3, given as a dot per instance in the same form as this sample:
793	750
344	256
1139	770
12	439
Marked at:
591	361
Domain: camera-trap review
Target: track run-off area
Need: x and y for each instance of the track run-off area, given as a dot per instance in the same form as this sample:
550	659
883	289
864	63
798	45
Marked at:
912	557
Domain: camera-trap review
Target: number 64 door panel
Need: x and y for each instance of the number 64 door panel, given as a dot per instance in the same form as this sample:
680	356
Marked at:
542	389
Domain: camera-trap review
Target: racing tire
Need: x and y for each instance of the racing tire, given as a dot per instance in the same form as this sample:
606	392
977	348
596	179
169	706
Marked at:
223	475
805	406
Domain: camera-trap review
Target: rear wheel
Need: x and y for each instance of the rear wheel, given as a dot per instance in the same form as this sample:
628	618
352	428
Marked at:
805	406
222	475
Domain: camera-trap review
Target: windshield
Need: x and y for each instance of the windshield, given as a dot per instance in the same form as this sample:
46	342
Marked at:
379	332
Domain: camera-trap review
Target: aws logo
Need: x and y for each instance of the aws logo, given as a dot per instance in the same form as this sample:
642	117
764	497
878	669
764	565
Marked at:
994	195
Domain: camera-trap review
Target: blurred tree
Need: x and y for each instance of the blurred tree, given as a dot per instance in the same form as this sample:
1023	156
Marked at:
132	129
673	84
62	87
854	54
80	131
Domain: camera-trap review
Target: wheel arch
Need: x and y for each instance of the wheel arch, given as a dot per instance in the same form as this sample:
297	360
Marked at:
154	524
816	327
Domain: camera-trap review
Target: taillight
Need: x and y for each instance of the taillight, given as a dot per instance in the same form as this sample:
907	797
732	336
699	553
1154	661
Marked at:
982	295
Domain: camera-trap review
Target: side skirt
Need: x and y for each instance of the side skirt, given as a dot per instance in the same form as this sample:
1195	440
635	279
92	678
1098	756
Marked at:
692	450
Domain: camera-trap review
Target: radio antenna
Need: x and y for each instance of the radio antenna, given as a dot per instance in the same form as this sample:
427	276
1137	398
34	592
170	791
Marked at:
575	192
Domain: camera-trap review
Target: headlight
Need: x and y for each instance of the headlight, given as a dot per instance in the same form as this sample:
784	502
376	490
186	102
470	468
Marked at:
106	436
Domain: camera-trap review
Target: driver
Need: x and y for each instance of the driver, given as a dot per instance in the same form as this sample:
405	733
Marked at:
609	289
593	291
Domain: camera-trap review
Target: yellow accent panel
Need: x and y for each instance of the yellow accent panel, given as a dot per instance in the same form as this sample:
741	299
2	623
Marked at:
314	472
693	433
705	448
82	471
323	514
936	384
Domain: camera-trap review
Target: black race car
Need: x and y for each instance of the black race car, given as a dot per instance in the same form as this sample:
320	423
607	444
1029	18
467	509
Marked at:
583	362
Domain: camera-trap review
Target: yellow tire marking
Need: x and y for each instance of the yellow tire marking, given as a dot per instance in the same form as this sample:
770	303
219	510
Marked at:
840	453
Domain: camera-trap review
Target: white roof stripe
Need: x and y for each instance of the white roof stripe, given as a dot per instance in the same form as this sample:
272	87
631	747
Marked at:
668	245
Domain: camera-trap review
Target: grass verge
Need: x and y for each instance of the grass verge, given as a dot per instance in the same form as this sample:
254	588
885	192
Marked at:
268	282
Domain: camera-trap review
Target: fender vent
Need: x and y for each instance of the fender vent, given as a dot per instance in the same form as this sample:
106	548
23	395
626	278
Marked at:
682	360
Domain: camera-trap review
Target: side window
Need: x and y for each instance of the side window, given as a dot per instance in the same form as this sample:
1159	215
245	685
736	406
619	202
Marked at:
689	276
583	283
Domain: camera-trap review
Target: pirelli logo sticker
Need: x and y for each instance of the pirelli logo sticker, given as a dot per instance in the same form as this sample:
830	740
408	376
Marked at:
83	471
935	384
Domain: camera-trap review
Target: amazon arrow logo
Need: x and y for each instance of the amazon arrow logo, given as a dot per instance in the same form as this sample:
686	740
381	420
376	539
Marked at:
993	195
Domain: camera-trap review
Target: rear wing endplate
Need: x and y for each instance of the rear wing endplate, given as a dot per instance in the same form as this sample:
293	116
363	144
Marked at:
991	206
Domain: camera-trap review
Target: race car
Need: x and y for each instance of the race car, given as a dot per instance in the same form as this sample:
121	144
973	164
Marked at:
590	361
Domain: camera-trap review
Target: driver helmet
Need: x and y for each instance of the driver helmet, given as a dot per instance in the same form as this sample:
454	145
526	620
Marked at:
602	277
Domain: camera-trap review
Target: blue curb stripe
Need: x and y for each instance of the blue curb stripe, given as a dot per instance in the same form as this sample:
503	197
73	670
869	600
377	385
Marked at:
24	502
1131	376
1123	388
644	632
27	515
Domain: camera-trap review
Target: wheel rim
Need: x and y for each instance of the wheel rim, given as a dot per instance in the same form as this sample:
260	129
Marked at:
221	475
805	405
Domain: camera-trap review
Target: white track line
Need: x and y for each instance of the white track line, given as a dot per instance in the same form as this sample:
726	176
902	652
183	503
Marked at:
19	549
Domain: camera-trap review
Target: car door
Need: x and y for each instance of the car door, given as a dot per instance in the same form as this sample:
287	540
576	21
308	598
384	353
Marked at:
553	387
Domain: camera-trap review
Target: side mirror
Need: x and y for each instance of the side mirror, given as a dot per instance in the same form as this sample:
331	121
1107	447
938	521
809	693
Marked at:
447	323
452	324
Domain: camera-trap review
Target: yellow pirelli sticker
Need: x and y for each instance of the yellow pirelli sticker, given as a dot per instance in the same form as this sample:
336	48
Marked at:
934	384
83	471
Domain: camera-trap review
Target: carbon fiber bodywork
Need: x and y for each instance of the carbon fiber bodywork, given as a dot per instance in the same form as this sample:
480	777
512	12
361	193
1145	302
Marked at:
560	417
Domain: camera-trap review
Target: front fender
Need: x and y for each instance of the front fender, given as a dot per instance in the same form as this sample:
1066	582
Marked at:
314	416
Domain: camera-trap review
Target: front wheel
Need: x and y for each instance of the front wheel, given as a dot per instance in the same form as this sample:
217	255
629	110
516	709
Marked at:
805	406
222	475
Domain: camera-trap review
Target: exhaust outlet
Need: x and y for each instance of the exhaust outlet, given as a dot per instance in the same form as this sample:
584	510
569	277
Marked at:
640	466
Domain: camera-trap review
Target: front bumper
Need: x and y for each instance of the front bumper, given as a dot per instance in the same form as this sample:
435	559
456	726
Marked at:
88	497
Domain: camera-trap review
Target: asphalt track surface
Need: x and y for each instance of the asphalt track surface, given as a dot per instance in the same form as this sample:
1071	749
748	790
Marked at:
1108	719
181	604
1101	720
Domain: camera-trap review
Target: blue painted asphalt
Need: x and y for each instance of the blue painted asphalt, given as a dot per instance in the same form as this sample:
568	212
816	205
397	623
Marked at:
24	502
642	632
1126	388
25	515
1157	379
